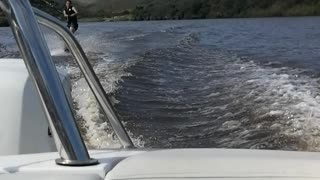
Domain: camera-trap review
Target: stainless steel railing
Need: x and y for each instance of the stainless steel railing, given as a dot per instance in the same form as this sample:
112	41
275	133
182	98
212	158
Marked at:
38	61
89	74
37	58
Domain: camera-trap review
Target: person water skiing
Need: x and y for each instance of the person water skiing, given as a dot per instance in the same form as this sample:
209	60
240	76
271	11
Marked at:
71	13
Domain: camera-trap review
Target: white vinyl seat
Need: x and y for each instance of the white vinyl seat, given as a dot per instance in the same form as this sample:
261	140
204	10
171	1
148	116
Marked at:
218	164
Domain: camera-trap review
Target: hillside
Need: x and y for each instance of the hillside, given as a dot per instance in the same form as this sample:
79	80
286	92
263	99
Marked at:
180	9
103	8
191	9
87	9
49	6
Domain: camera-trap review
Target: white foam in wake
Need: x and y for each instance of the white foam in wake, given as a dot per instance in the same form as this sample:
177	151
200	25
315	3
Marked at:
99	133
294	97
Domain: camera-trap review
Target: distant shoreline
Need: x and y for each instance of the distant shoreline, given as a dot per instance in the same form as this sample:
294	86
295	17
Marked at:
91	19
117	19
4	23
153	10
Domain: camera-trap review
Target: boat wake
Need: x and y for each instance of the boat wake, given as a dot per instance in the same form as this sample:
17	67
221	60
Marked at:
172	90
182	97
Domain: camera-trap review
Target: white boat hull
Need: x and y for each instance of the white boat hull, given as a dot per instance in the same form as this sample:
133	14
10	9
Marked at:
23	123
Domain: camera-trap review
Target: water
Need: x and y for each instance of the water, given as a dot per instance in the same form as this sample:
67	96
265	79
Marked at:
228	83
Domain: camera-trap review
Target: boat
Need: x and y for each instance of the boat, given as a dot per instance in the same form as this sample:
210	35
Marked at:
39	138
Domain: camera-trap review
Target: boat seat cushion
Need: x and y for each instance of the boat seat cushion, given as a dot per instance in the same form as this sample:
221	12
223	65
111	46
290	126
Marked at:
217	164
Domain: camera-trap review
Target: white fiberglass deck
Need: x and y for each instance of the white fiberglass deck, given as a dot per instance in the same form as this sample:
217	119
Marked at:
173	164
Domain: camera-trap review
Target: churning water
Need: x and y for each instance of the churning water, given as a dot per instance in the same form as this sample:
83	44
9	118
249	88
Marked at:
232	83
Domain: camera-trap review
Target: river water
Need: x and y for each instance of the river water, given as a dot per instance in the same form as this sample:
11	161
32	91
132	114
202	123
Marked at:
225	83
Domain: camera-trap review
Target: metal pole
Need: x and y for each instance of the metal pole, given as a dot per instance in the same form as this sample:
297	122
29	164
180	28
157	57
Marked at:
89	74
37	58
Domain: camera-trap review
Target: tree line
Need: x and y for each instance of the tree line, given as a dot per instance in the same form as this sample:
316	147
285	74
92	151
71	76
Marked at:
191	9
196	9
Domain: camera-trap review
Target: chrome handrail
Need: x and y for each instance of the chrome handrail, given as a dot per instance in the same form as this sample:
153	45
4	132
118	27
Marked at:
89	74
37	58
